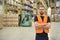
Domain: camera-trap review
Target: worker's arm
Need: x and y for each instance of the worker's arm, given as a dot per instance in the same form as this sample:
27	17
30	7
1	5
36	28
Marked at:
47	26
38	26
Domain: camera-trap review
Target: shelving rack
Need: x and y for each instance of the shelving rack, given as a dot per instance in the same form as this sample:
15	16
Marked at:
12	9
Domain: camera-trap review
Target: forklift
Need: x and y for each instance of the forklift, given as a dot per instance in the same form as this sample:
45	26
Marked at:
25	20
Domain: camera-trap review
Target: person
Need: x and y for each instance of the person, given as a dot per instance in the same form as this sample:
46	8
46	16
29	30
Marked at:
42	24
26	18
19	18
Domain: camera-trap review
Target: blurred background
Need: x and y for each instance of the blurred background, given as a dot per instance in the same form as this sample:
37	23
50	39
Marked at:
17	18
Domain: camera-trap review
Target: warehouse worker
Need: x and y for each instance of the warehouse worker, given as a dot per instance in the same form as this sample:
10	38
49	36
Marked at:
42	24
19	18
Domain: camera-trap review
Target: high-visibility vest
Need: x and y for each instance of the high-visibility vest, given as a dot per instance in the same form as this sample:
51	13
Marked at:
42	22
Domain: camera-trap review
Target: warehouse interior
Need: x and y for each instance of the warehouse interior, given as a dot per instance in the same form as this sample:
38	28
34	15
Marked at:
11	9
12	28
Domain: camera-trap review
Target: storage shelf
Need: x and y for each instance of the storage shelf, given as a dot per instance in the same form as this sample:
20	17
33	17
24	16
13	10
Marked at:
29	5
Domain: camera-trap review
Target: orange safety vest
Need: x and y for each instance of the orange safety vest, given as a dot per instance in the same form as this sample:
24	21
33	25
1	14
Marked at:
41	22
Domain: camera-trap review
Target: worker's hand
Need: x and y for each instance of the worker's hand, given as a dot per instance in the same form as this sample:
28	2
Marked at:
47	26
36	24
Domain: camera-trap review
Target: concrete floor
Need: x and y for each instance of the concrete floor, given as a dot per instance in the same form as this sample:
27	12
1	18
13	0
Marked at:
55	31
28	33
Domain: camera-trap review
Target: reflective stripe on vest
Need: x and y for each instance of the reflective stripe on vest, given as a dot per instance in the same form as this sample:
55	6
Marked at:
42	22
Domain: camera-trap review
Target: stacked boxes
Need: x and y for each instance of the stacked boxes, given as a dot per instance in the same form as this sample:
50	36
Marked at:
10	20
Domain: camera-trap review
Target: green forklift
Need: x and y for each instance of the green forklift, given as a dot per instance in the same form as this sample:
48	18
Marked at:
26	20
